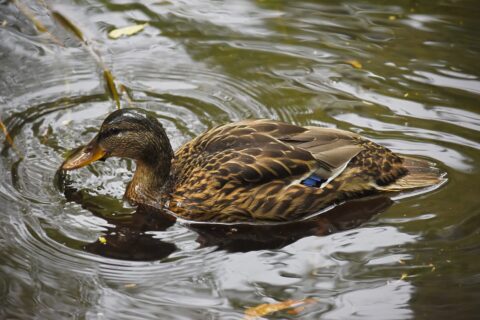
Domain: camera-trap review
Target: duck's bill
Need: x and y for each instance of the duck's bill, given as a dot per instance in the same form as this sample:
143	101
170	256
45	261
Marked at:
84	156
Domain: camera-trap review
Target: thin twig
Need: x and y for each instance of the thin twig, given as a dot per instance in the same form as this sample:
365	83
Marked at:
38	25
123	90
68	25
107	74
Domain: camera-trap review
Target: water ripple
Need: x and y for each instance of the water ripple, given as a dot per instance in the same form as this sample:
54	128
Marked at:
403	74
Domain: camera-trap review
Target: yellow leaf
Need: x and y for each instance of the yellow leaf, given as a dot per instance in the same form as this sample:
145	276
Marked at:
355	63
268	308
404	276
126	31
102	240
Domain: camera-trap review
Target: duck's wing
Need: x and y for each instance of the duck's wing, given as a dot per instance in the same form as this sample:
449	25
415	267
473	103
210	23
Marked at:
333	149
259	151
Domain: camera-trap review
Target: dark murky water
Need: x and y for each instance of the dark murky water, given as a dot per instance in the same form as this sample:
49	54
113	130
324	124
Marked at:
202	63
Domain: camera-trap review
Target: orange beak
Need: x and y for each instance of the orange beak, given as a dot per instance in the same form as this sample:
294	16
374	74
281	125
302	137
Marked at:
84	156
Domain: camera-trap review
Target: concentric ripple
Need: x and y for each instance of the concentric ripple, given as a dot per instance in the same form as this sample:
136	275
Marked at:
403	74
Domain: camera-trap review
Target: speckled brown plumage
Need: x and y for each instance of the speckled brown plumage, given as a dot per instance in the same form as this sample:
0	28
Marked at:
253	170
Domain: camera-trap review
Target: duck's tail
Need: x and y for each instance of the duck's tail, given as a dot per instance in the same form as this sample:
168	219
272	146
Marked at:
421	174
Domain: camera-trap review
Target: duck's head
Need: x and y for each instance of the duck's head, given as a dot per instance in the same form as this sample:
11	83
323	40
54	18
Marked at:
125	133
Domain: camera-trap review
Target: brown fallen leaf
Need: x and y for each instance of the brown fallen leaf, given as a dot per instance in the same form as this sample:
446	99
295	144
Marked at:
268	308
355	63
296	311
126	31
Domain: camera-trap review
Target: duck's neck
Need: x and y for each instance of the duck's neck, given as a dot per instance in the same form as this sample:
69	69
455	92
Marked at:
151	181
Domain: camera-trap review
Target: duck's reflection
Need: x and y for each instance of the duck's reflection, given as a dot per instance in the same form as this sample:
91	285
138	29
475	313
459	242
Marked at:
243	238
129	239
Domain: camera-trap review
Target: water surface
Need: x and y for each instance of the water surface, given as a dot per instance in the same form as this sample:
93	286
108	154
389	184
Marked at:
402	73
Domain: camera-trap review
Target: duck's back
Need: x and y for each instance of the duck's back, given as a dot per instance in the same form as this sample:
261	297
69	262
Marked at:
266	170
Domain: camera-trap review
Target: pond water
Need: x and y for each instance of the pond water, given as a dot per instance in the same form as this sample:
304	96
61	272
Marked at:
402	73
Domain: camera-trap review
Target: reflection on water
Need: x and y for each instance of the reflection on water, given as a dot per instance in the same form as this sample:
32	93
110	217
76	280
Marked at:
404	74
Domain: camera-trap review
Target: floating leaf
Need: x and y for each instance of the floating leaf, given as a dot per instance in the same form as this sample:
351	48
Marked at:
102	240
126	31
268	308
355	63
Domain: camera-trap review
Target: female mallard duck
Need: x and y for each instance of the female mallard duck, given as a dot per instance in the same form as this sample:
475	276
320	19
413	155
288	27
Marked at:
252	170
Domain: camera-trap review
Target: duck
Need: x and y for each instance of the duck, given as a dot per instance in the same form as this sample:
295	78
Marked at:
254	170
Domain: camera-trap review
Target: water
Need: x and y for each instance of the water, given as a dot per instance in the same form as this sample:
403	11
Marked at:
402	73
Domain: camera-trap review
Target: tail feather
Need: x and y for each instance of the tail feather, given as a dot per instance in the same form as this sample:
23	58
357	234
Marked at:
421	174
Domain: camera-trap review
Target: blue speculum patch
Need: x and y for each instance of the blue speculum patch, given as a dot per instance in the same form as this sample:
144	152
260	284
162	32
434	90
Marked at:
313	181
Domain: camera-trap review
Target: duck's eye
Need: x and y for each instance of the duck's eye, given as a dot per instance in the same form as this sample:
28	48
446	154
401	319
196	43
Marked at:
110	132
114	131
